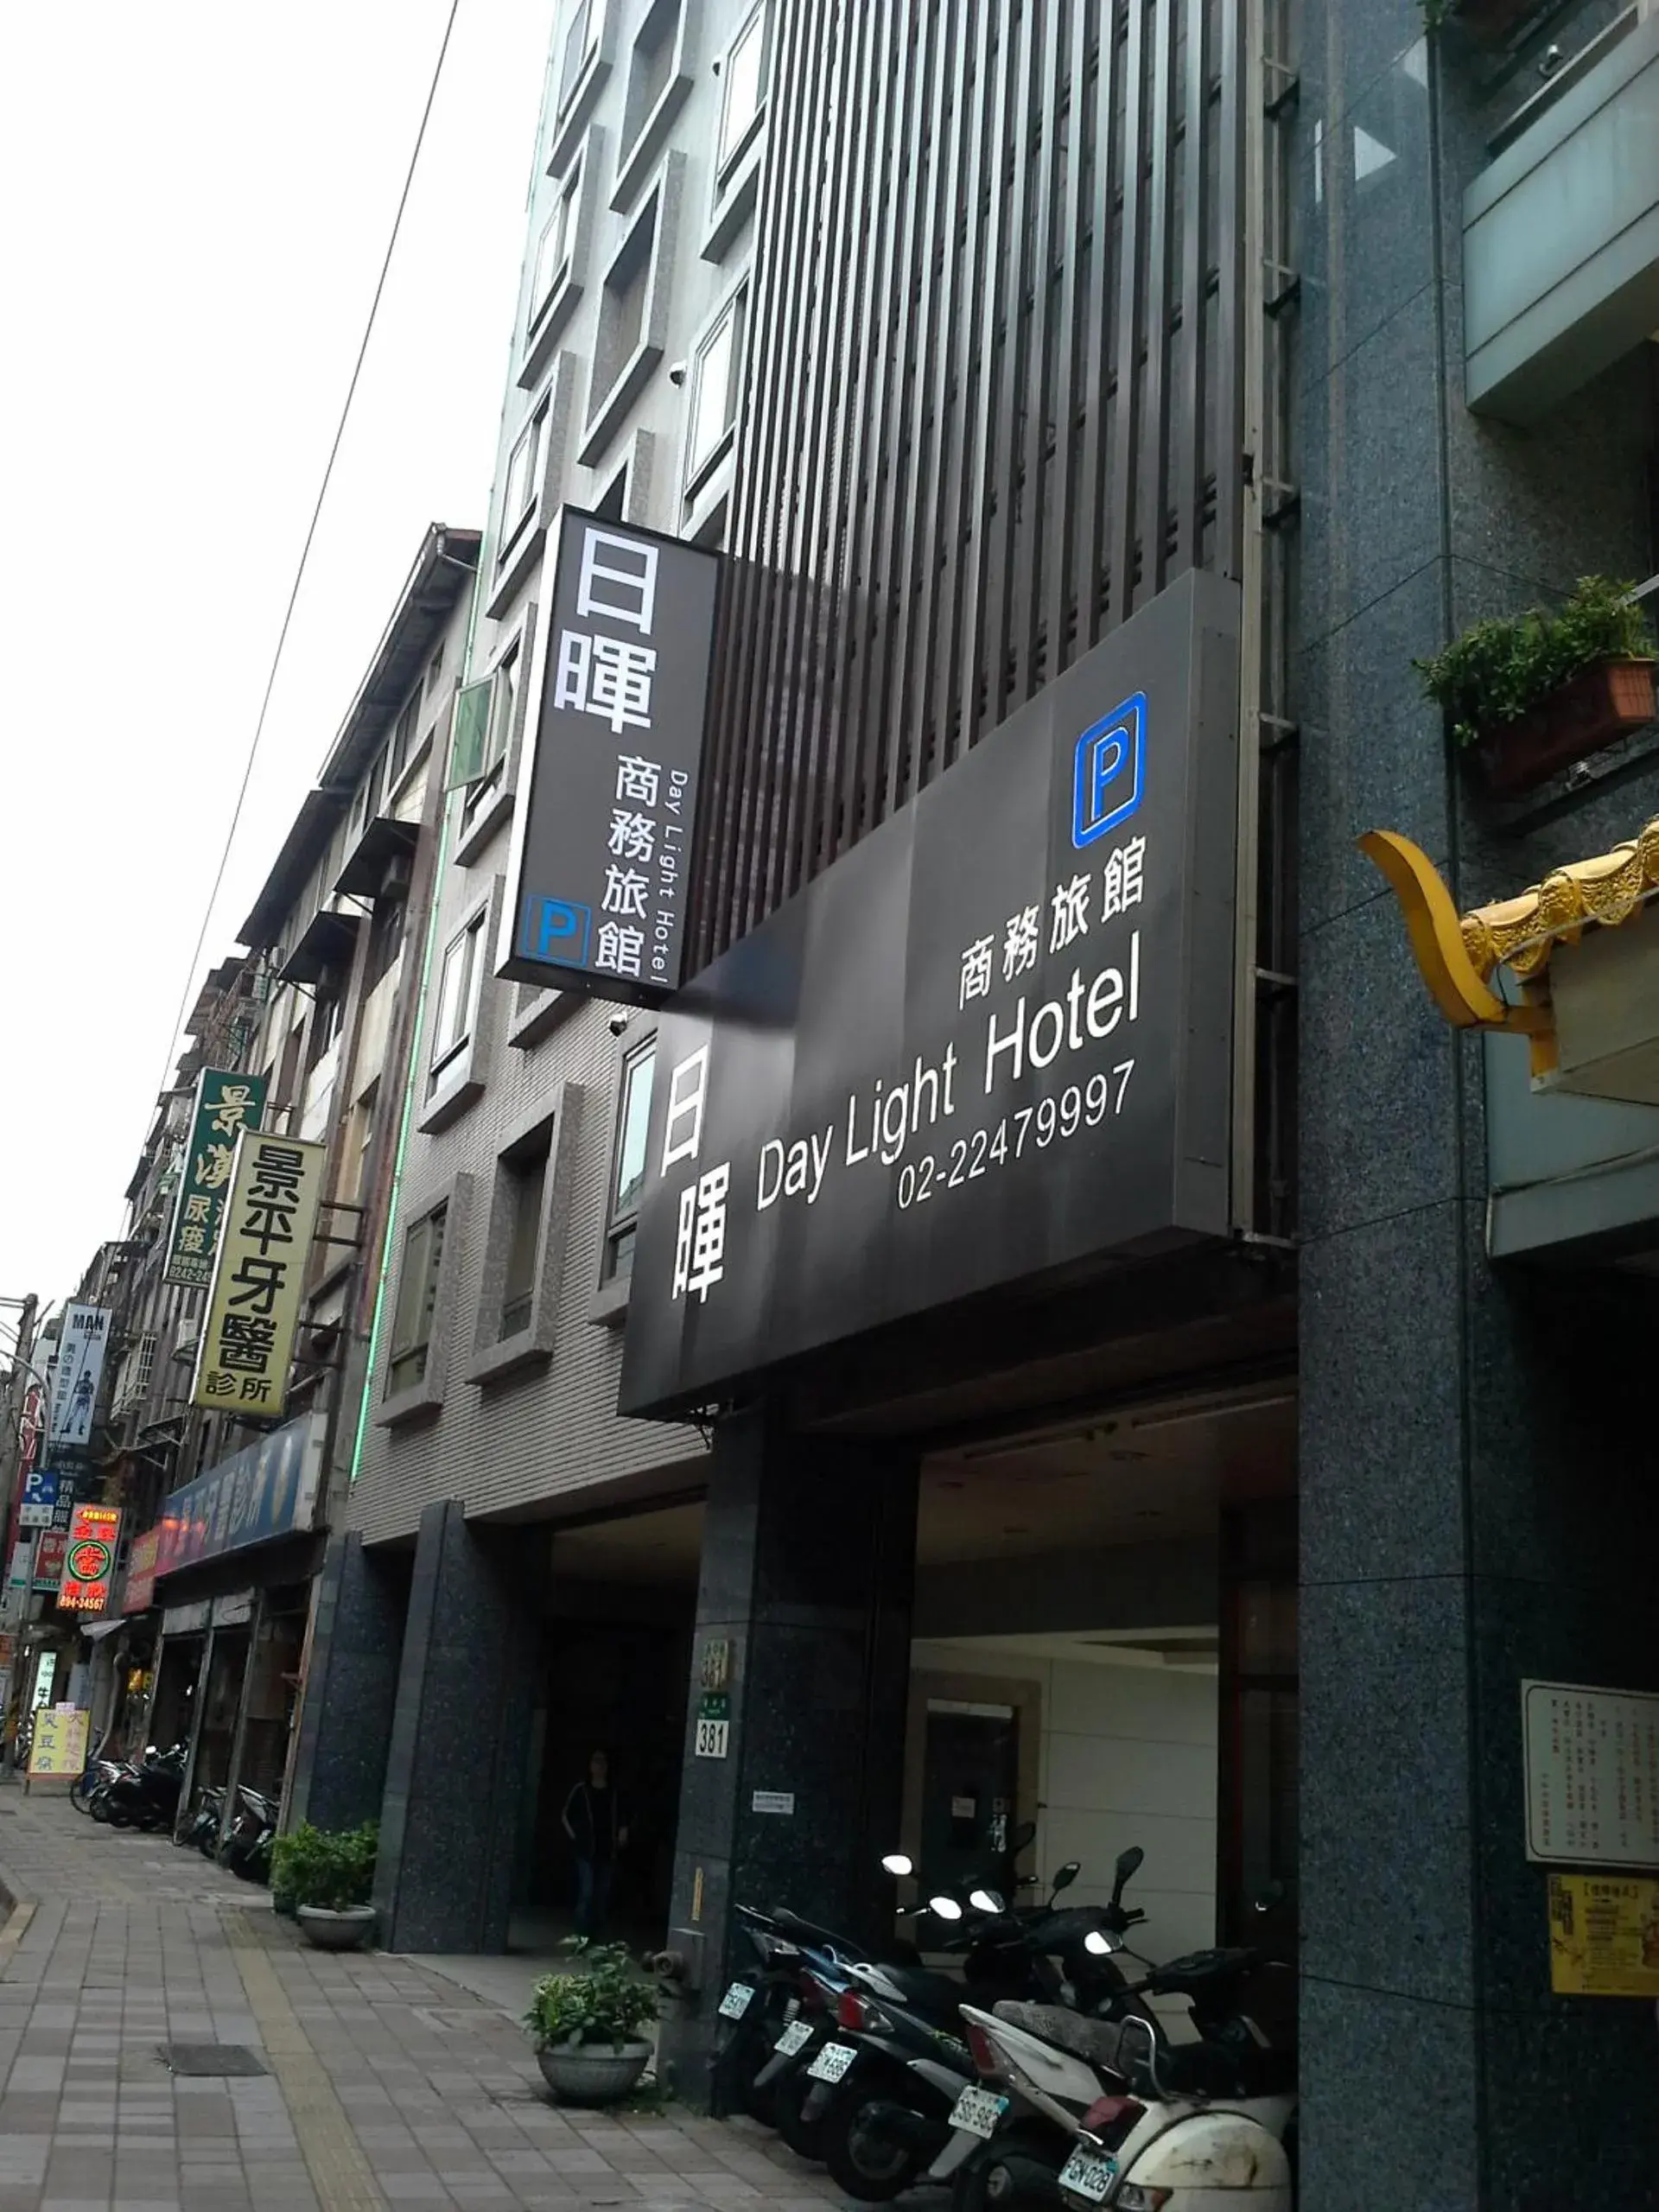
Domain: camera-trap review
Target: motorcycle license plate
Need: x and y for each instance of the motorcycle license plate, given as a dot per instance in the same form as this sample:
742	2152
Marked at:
977	2112
1088	2174
796	2036
737	2000
832	2062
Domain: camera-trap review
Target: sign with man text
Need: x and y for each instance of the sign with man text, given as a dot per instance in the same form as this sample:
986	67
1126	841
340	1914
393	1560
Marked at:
253	1307
601	840
226	1104
77	1371
992	1041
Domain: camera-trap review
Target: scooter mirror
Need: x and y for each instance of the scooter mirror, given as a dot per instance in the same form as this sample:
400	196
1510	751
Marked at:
1067	1875
985	1900
944	1908
1101	1943
899	1862
1022	1838
1128	1862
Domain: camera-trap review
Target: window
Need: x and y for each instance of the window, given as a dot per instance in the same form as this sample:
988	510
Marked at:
523	1173
458	985
622	309
364	798
651	66
524	471
612	503
418	1299
354	1166
403	738
553	249
713	390
628	1177
741	108
324	1027
386	938
578	44
434	669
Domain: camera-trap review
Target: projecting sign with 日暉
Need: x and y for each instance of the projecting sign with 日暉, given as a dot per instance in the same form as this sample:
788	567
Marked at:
599	873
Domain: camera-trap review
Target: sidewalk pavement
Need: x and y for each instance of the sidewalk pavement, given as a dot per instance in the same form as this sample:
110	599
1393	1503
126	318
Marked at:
384	2085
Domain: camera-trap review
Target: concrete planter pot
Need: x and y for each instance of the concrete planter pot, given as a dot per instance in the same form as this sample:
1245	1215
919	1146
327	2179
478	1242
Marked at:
591	2072
336	1931
1601	703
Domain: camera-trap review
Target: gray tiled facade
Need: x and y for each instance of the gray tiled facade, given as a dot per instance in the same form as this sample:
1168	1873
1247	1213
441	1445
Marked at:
638	130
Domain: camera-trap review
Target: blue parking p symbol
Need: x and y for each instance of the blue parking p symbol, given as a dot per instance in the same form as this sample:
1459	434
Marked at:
555	929
1110	778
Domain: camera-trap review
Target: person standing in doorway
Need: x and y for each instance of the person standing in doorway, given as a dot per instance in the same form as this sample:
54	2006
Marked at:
592	1821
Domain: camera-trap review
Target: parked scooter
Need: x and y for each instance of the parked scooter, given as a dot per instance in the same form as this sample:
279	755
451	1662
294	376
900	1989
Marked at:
147	1796
246	1847
897	2098
1097	2111
200	1830
97	1775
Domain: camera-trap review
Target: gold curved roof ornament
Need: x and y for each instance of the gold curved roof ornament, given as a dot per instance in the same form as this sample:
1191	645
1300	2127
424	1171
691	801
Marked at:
1453	958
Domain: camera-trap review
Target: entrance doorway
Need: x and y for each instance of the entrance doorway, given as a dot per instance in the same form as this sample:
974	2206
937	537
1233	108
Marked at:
971	1782
1104	1644
617	1645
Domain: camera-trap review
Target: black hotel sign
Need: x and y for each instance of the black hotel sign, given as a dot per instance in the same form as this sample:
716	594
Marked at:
601	849
994	1040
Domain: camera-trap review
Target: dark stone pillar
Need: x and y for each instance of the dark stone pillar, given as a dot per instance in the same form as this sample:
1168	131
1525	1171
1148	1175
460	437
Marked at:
339	1764
1477	1499
460	1743
808	1559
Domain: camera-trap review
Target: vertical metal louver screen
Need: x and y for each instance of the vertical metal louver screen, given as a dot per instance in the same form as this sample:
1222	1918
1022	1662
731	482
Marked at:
994	394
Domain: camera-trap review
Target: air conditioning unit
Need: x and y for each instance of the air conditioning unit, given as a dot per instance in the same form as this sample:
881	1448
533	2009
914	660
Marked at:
400	870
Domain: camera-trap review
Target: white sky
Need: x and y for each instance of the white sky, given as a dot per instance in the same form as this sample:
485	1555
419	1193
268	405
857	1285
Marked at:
197	194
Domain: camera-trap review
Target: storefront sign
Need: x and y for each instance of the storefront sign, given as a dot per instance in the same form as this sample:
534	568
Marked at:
82	1342
139	1594
40	1495
599	873
993	1040
89	1559
253	1307
225	1104
265	1491
50	1545
58	1747
1604	1936
1592	1775
234	1611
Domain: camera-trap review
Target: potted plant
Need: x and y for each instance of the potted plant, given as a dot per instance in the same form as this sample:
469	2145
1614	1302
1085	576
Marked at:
324	1876
1529	693
587	2025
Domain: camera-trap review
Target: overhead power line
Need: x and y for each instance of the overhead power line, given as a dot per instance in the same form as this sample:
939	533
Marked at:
176	1030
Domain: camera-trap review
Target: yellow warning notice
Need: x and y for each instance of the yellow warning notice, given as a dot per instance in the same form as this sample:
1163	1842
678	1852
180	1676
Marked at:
1603	1936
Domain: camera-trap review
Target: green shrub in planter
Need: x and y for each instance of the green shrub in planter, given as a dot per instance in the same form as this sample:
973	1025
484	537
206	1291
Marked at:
330	1868
1498	671
598	2004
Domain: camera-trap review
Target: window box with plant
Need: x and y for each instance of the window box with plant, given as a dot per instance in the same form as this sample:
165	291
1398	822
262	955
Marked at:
324	1876
589	2025
1528	694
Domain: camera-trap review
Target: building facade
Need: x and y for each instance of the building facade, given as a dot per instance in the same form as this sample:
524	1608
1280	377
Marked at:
1085	1343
